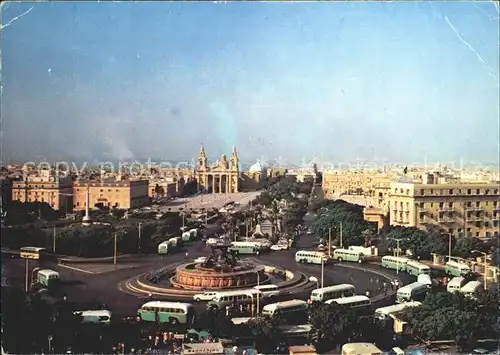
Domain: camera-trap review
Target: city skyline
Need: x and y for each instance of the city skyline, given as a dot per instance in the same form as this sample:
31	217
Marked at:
343	81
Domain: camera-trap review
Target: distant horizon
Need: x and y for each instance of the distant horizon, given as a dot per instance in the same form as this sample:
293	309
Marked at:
336	80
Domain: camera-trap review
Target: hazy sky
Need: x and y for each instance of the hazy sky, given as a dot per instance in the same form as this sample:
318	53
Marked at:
397	81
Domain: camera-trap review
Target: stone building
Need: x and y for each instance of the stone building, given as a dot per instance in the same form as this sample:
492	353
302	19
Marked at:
122	194
222	177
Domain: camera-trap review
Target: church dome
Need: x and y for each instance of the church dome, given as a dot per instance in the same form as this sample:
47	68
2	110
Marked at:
256	168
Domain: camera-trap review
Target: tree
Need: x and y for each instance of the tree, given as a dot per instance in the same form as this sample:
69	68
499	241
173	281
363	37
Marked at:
447	316
332	324
419	242
495	256
464	246
265	331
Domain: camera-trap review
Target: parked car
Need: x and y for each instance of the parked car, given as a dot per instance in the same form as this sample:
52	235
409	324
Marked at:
278	247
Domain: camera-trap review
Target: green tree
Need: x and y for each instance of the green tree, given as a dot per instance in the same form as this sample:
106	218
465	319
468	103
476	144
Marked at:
332	324
464	246
419	242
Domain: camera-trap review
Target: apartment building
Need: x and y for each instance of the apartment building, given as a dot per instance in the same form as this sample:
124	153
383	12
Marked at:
122	194
460	209
45	186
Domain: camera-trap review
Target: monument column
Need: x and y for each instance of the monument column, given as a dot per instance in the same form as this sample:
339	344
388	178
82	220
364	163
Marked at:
228	178
220	183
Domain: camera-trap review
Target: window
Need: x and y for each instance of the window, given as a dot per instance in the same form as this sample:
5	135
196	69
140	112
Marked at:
478	204
469	191
432	191
450	192
441	204
422	192
407	191
450	204
469	204
486	192
478	191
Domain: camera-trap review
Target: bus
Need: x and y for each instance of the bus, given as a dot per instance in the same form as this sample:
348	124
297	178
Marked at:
455	284
412	292
167	312
292	309
164	247
385	312
95	317
470	289
268	291
360	349
357	301
32	252
348	255
295	331
453	268
331	292
48	278
415	268
186	237
244	249
394	262
226	298
311	257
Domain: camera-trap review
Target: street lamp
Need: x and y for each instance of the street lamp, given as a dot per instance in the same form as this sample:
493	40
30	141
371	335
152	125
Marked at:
485	266
140	224
398	252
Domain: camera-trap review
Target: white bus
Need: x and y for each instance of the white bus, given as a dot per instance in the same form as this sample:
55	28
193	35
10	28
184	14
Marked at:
394	262
226	298
385	312
348	255
412	292
415	268
453	268
96	317
164	247
167	312
357	301
455	284
285	308
268	291
470	289
331	292
311	257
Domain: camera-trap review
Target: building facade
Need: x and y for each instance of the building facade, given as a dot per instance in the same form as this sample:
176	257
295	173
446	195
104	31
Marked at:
463	209
222	177
123	194
57	191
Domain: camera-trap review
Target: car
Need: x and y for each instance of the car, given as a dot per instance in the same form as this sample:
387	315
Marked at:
278	247
201	259
480	352
205	296
309	233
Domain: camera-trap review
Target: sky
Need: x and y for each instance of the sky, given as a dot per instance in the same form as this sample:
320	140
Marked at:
394	81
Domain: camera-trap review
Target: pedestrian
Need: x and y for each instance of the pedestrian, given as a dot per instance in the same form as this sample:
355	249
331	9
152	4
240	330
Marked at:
367	293
371	279
384	285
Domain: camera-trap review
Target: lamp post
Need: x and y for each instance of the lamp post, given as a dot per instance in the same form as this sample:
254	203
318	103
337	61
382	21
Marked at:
258	294
322	270
54	241
139	227
49	338
115	249
485	266
314	279
398	240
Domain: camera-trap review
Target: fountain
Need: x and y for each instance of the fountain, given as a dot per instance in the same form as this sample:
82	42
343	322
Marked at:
223	269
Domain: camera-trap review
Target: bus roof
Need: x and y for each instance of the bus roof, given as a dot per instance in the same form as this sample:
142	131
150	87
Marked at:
237	292
284	304
347	251
240	320
417	264
390	257
48	272
335	288
411	287
164	304
470	286
96	313
32	249
360	348
456	280
164	243
457	265
301	328
266	287
397	307
345	300
310	252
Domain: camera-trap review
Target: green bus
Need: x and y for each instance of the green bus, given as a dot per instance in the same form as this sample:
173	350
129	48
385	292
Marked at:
330	292
164	247
242	248
415	268
348	255
167	312
311	257
412	292
48	278
394	262
226	298
453	268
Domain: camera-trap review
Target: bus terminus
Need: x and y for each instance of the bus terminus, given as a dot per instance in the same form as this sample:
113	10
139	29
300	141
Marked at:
453	268
286	309
226	298
415	268
167	312
243	248
412	292
357	301
385	312
348	255
331	292
394	262
311	257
